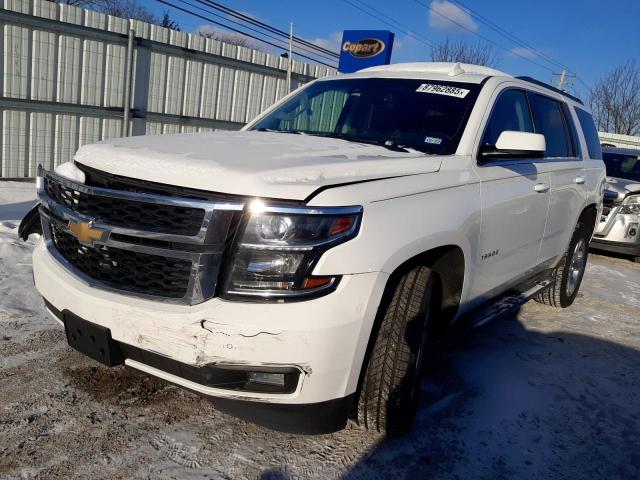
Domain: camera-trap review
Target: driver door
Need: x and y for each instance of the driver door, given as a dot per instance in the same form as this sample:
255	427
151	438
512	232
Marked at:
515	200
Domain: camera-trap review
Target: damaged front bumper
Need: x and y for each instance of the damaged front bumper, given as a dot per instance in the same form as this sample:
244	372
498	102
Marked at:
618	233
320	343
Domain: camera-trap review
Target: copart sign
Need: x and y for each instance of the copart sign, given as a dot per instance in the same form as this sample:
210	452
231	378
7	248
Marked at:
364	48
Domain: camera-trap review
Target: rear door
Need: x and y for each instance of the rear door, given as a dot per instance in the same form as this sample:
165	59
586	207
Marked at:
515	200
563	165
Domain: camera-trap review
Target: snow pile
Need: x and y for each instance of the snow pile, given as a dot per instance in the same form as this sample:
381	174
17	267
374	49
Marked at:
70	171
17	303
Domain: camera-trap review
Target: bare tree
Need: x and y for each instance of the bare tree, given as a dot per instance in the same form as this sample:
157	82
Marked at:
129	9
169	22
615	100
232	38
135	9
478	54
77	3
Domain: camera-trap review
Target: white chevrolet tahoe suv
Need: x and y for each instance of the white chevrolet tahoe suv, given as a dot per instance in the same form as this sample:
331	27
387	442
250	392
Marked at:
296	270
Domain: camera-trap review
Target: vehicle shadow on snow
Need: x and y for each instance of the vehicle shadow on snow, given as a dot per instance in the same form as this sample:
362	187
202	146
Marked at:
506	402
11	211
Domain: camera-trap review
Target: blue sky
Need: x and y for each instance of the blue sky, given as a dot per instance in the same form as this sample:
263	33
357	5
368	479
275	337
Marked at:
588	36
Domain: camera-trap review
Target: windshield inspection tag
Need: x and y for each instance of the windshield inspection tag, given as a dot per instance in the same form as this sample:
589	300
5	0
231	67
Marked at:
433	140
443	90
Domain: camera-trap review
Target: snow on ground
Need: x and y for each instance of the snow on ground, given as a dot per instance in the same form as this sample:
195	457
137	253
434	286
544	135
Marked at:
17	306
542	394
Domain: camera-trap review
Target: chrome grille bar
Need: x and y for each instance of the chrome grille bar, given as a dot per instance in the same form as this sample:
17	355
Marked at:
204	250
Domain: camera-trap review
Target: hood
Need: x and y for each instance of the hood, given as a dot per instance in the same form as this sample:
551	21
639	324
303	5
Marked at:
621	187
263	164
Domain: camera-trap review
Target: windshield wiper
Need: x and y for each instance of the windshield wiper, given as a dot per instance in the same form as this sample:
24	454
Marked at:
396	147
388	144
294	132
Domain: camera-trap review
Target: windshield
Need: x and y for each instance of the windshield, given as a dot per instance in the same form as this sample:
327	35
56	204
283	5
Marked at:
400	114
622	165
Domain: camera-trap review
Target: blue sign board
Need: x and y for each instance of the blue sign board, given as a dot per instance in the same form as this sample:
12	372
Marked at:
364	48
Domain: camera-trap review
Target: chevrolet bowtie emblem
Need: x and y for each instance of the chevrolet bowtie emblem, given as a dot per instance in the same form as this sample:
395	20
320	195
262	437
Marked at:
86	233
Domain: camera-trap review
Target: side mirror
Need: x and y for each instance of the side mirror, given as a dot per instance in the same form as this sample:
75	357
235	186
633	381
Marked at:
512	144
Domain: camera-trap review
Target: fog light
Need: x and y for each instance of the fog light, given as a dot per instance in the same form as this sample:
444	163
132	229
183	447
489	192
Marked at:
274	379
633	230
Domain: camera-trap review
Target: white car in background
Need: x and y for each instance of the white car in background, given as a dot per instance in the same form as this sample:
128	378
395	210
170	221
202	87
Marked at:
619	227
300	267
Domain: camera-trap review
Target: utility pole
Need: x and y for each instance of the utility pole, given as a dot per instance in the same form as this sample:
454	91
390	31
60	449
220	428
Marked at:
563	78
290	60
563	75
127	84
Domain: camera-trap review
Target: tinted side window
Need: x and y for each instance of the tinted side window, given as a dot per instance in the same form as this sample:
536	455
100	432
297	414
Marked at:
590	134
511	112
549	122
573	132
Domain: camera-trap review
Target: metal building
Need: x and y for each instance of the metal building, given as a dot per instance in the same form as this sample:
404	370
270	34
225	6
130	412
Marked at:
65	69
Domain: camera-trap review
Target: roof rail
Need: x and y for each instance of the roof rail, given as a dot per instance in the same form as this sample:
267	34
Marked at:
550	87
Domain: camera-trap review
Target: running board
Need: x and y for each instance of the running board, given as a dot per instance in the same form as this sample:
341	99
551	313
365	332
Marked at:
507	303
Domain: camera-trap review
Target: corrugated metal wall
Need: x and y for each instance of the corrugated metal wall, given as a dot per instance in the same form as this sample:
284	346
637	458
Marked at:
62	82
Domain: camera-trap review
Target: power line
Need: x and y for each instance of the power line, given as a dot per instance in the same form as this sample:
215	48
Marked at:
322	55
583	83
227	27
564	75
389	21
505	33
509	36
256	22
482	36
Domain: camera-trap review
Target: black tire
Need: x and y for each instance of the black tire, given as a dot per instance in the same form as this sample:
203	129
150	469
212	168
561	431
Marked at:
636	259
391	386
567	282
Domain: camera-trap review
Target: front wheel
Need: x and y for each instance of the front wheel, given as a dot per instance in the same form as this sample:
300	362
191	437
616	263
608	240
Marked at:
569	272
391	386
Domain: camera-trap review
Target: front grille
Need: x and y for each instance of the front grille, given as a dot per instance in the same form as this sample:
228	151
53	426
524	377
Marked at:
154	217
161	244
609	202
125	269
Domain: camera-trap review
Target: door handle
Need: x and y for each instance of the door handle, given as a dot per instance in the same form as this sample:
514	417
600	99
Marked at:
541	187
579	180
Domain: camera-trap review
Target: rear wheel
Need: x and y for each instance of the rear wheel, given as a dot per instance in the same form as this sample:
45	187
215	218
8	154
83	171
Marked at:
569	272
391	386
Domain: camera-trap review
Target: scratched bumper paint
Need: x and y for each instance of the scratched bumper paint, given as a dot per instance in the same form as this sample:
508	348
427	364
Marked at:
325	337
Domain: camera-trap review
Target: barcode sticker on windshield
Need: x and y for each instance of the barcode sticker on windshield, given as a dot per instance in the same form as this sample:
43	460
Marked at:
443	90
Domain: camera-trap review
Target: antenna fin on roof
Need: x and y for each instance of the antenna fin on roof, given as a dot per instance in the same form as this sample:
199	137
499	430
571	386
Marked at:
456	70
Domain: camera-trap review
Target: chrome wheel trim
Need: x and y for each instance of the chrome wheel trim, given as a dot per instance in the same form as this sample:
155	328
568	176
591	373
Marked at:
576	268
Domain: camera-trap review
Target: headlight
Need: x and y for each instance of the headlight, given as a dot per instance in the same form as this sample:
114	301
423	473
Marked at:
631	204
278	248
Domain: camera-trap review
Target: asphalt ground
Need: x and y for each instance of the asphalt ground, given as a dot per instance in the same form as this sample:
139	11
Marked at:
542	393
